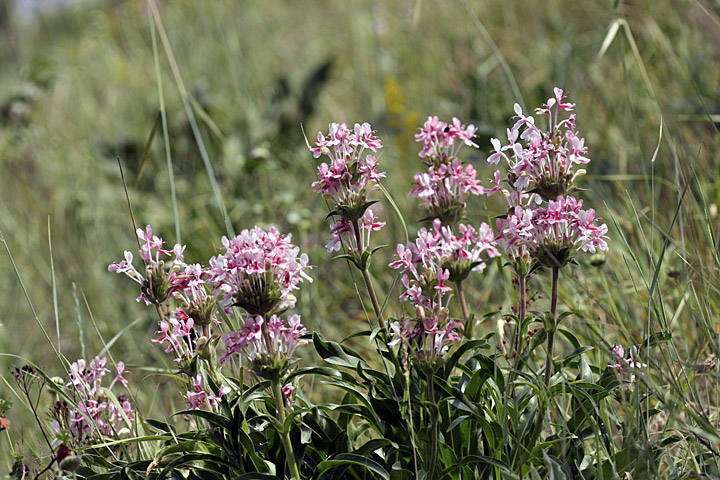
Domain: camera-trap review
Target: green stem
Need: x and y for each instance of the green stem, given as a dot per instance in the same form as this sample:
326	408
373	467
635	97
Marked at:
551	332
434	426
548	364
284	434
366	277
522	306
374	299
464	309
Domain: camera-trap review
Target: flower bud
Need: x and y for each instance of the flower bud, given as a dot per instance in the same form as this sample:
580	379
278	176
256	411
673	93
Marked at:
70	463
598	259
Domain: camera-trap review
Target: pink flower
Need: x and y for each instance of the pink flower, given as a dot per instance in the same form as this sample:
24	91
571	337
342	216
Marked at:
343	234
621	363
447	182
258	271
352	173
441	141
287	391
269	346
161	278
542	160
200	398
95	415
558	230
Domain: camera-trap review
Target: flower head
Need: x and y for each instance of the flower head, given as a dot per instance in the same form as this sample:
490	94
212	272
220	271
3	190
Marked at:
442	141
553	234
161	278
258	271
95	415
269	345
352	173
447	183
199	397
543	162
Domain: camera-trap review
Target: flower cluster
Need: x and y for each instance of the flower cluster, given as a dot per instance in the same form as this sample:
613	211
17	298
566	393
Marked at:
352	173
160	280
621	363
540	169
268	345
442	141
447	183
96	415
552	234
347	181
258	271
437	256
343	233
198	397
543	160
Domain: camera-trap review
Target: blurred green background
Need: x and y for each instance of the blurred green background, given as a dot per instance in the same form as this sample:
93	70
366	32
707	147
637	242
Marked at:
81	83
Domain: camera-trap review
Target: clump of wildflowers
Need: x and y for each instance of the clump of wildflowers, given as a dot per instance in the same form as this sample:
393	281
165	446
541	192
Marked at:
541	168
258	271
96	415
447	183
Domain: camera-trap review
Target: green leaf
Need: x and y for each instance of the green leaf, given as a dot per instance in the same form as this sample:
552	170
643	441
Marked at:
213	418
475	460
336	354
351	459
554	467
256	476
457	354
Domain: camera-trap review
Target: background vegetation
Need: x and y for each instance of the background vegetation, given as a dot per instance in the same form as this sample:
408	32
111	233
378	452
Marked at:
237	80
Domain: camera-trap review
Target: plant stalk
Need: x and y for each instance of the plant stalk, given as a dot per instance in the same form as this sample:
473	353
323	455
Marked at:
464	309
434	429
548	365
551	333
366	277
284	434
522	306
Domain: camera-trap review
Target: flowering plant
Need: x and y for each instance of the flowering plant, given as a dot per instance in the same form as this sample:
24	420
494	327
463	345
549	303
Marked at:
435	404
